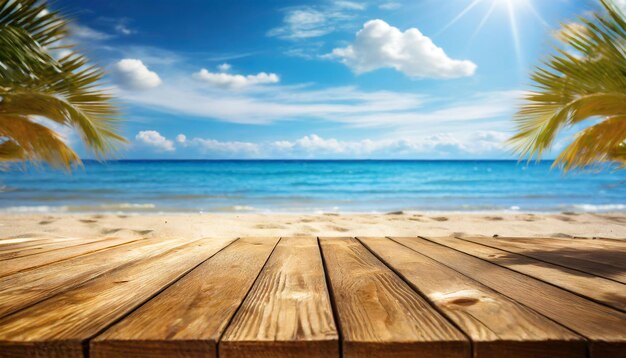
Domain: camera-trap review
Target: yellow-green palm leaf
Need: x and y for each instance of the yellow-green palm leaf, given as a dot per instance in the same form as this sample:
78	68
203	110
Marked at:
584	81
34	83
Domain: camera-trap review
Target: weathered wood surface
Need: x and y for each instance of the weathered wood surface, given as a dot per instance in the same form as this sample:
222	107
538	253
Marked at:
189	317
594	258
22	243
33	247
379	314
60	325
288	312
491	320
593	287
308	297
18	264
601	325
25	288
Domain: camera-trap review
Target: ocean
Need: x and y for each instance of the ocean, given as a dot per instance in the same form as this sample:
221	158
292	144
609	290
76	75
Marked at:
301	186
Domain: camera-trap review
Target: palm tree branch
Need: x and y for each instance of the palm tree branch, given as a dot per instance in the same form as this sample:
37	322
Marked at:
36	142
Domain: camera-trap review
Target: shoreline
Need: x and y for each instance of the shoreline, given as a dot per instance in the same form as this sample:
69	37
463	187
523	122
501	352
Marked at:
192	226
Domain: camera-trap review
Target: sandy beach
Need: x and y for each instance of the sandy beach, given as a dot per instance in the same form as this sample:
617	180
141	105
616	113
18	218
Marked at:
193	226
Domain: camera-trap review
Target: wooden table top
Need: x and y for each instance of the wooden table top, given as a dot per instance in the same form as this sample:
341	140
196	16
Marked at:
313	297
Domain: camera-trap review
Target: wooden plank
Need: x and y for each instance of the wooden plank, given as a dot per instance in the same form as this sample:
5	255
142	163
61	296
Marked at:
601	325
379	314
44	246
599	289
12	266
497	325
189	317
25	288
600	252
287	312
60	325
576	256
9	245
610	244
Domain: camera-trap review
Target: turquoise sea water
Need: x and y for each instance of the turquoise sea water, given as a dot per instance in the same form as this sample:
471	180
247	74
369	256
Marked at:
310	186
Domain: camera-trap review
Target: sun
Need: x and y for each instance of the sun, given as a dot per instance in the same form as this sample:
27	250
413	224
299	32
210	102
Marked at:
512	8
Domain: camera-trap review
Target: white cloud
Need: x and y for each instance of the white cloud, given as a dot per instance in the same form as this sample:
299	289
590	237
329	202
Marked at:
227	149
307	22
302	24
224	67
404	111
155	140
181	138
133	74
389	6
379	45
351	5
440	145
123	29
444	145
621	4
226	80
86	33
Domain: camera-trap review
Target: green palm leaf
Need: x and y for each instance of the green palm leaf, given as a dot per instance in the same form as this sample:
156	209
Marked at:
584	81
34	83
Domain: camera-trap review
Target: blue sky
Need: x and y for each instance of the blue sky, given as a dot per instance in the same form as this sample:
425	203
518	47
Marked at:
418	79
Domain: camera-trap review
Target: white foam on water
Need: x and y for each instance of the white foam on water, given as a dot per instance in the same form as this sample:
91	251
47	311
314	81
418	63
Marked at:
599	208
35	209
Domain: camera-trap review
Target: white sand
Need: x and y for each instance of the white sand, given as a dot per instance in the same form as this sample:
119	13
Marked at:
192	226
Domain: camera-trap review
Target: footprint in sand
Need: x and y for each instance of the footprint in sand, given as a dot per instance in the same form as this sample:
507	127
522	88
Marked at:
307	220
88	221
458	234
564	218
122	216
269	226
46	222
416	219
143	232
493	218
529	218
440	218
110	231
339	228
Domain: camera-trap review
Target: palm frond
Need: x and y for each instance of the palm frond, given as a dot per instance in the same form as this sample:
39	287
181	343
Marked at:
27	140
584	80
599	143
66	90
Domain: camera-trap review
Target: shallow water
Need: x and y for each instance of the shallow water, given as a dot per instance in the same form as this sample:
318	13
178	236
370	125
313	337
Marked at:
310	186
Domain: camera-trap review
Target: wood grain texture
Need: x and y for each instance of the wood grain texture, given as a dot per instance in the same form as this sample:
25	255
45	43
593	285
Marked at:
605	244
593	258
60	325
497	325
19	243
189	317
379	314
12	266
287	312
599	289
25	288
601	325
41	246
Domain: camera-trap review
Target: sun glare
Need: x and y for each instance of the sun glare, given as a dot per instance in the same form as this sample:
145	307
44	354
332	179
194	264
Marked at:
512	9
